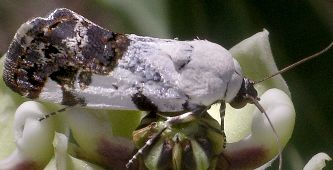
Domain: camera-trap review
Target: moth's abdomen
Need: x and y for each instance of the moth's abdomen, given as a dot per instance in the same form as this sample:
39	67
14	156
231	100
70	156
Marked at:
65	47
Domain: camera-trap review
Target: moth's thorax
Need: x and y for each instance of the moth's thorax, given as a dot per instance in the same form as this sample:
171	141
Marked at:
203	71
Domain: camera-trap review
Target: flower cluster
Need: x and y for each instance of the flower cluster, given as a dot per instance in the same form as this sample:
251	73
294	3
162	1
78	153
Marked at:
98	139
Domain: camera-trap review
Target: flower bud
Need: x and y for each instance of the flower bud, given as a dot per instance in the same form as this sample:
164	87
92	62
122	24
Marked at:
188	145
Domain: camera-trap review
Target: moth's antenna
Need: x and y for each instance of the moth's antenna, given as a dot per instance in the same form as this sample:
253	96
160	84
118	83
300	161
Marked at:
297	63
262	110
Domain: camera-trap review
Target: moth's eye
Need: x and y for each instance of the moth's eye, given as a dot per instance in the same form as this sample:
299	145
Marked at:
238	102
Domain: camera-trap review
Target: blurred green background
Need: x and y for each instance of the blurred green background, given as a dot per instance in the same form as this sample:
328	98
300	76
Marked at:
297	29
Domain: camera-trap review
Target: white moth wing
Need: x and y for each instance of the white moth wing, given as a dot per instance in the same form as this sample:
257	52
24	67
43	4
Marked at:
166	75
67	59
144	69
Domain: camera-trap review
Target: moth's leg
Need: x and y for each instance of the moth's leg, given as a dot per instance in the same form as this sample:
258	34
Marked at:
222	114
183	118
148	119
54	113
65	108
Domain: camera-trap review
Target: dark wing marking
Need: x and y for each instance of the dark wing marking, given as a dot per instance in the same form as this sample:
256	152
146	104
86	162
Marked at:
61	46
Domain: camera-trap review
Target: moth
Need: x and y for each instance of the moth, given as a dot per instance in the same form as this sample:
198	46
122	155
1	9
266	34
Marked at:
64	58
69	60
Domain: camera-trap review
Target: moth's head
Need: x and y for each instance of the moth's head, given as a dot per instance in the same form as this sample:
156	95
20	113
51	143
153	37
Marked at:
244	95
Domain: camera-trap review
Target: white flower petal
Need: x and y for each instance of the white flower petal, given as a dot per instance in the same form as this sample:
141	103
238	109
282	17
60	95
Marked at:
248	131
262	142
255	56
317	162
63	160
60	144
87	127
33	137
